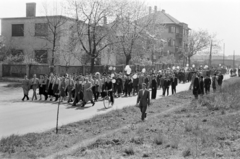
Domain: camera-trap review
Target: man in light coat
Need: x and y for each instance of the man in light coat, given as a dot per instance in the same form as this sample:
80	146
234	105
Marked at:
143	100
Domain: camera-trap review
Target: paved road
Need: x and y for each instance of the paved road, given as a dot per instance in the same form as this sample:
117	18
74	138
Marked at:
17	117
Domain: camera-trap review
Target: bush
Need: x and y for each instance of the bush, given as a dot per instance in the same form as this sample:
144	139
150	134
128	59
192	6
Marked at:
129	150
186	152
159	139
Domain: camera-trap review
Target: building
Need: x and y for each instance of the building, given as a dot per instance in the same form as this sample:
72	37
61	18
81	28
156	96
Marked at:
175	33
39	38
172	41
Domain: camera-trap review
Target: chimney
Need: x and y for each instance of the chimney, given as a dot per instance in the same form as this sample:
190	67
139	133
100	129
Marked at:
30	9
155	9
104	20
163	11
150	10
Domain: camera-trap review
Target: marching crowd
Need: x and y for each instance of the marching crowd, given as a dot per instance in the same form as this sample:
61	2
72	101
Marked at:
90	88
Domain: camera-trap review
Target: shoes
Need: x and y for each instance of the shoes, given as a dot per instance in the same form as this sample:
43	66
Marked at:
93	104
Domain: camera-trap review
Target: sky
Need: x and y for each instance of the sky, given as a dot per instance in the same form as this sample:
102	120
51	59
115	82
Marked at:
221	17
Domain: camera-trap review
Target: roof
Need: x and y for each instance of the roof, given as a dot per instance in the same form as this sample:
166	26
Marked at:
161	17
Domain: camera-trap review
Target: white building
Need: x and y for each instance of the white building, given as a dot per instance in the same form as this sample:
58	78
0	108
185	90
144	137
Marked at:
33	37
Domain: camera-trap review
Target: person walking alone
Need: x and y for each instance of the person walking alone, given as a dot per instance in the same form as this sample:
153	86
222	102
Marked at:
143	100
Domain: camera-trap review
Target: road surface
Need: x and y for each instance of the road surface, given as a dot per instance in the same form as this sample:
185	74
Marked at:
17	117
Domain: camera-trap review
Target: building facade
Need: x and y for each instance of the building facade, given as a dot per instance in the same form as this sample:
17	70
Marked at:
175	34
40	38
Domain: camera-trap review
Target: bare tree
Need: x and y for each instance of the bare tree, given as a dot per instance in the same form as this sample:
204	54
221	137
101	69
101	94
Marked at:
93	35
2	49
199	41
136	30
53	30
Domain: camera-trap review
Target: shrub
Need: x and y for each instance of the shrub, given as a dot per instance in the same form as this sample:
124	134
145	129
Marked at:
129	150
186	152
159	139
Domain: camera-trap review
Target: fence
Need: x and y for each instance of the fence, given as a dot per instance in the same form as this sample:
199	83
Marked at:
19	70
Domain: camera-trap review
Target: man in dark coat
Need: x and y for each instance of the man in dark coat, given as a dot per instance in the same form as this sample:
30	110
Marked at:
207	84
195	85
119	86
159	76
174	83
78	94
166	85
143	100
201	86
220	80
154	87
127	86
135	85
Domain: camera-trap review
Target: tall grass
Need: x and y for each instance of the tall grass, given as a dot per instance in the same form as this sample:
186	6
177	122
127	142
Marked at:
226	98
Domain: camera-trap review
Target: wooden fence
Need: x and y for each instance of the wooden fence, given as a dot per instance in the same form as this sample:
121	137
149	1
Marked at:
19	70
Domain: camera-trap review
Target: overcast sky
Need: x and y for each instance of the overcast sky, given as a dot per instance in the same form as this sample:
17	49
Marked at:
217	16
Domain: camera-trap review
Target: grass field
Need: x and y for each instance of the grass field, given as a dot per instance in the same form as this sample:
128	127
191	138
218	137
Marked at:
177	127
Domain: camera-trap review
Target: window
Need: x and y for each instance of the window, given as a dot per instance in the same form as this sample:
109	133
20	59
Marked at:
41	56
41	29
173	43
172	29
17	55
170	42
177	30
17	30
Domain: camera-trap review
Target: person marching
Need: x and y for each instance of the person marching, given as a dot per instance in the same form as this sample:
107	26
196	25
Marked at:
214	82
50	86
109	88
154	86
119	86
87	95
55	87
78	92
62	88
195	85
42	86
207	83
26	87
201	86
35	84
135	84
174	83
69	85
45	85
220	80
143	100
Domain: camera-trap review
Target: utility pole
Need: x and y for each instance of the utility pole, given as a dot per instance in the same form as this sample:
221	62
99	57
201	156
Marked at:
233	59
223	53
210	56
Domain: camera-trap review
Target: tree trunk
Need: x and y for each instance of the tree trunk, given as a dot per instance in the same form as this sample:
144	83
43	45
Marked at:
189	61
128	58
92	65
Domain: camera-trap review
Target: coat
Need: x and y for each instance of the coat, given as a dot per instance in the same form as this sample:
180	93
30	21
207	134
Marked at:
143	99
207	82
26	86
87	95
174	82
195	86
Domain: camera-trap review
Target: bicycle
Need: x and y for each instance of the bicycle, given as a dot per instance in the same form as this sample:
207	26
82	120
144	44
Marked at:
107	101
